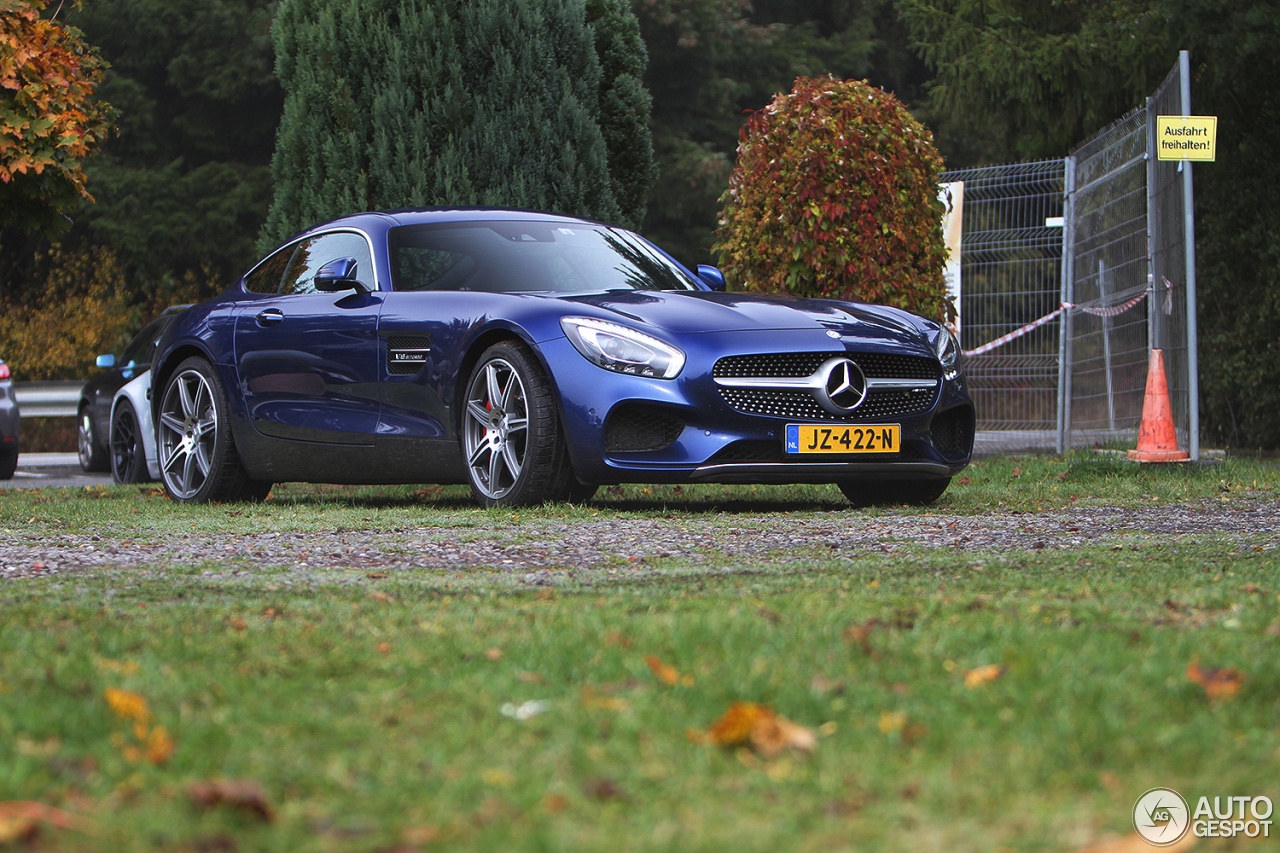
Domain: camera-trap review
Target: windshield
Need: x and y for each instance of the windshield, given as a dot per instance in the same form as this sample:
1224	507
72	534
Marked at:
511	257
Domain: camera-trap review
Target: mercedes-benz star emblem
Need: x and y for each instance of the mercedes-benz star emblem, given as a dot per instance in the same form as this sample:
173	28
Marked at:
845	387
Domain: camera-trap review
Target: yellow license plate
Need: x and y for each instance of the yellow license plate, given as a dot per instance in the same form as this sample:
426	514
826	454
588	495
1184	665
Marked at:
867	438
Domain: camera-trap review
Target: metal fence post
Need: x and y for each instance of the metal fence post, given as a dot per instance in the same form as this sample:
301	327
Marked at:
1189	235
1067	296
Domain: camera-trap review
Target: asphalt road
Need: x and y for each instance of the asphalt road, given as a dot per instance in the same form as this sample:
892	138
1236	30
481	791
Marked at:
46	470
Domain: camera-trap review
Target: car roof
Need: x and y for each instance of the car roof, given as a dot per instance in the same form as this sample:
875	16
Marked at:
432	215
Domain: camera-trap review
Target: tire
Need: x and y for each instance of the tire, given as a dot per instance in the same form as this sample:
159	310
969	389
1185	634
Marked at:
93	456
198	459
8	463
128	453
511	436
864	493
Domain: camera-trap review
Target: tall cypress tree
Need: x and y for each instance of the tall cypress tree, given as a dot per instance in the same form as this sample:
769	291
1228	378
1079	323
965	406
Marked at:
405	103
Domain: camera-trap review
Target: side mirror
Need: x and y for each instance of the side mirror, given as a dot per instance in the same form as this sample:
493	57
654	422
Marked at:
711	277
107	360
337	275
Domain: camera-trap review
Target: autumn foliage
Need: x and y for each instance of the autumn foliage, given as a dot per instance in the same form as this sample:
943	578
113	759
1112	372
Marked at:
835	194
49	120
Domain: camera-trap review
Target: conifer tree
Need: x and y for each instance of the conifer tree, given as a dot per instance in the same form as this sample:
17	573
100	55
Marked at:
405	103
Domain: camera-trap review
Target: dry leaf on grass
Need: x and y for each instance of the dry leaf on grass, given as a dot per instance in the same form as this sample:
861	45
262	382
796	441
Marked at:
666	673
244	794
1218	683
981	675
765	731
127	704
20	820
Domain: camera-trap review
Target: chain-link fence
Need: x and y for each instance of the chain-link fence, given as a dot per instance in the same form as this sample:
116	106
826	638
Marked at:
1071	271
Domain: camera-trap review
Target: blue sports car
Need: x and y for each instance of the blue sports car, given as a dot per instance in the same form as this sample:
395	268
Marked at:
537	357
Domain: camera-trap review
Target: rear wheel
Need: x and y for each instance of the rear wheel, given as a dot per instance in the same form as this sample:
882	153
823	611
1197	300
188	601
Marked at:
128	458
198	458
93	456
863	493
511	434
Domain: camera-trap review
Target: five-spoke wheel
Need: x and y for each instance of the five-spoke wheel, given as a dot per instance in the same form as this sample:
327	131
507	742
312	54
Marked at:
511	433
198	459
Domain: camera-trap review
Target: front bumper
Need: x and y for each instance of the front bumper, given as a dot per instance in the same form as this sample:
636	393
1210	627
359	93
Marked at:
629	429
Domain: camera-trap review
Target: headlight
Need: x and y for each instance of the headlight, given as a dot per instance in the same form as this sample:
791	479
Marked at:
621	349
947	348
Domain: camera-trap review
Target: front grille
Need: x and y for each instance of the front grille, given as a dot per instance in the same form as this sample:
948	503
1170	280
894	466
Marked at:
794	365
800	404
641	429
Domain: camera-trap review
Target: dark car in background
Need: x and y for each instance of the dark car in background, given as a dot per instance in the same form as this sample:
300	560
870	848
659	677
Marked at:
537	357
9	422
93	414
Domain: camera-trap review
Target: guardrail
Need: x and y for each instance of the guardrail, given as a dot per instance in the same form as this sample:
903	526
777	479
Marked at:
48	399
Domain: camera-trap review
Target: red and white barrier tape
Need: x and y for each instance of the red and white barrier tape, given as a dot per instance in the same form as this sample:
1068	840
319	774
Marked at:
1110	311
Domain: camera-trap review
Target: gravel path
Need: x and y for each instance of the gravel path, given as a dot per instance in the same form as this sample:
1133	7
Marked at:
545	551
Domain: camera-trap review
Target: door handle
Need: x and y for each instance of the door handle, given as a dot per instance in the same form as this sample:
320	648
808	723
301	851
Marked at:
270	317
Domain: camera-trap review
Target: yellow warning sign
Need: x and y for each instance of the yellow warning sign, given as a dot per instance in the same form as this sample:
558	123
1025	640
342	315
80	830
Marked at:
1187	137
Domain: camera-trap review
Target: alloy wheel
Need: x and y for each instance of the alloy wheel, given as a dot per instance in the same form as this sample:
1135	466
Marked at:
496	428
188	433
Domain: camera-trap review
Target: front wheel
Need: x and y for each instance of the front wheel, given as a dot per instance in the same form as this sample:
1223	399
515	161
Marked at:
511	434
198	458
128	458
864	493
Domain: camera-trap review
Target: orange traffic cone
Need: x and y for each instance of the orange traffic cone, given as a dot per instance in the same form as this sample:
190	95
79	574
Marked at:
1157	438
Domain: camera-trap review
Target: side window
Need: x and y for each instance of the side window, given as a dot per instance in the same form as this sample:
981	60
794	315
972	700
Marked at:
314	252
266	278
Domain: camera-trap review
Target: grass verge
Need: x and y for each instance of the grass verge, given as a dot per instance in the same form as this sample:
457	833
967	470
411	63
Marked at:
983	700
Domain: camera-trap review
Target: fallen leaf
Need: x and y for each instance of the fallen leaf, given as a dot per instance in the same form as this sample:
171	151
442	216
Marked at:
666	673
1218	683
1017	472
127	704
964	481
244	794
493	653
18	829
896	723
375	576
982	675
594	700
758	725
525	710
381	597
19	820
860	635
604	789
160	746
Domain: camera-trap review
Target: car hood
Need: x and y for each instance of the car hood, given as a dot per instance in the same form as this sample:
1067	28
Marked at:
691	312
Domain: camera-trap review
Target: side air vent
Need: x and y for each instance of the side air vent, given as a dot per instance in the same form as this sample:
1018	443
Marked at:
407	353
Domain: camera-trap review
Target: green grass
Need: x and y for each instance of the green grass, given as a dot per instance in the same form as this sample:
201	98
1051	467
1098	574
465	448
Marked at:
370	710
